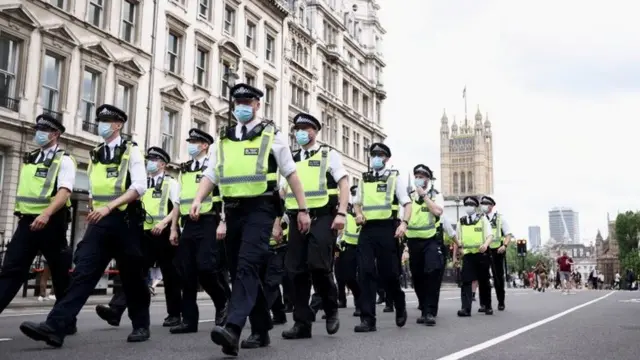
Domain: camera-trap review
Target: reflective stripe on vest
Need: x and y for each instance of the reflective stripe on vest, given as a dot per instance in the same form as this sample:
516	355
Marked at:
242	165
156	203
351	231
35	188
497	236
377	198
472	236
108	181
423	224
189	183
313	175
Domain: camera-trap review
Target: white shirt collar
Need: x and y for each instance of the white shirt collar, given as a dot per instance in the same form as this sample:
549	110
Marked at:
250	125
115	142
158	176
49	149
492	213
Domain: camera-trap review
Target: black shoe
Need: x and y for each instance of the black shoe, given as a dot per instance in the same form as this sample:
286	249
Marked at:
380	300
139	335
401	317
488	311
71	330
108	314
255	341
357	313
184	328
226	338
171	321
42	332
388	309
221	316
501	307
279	318
482	309
430	320
342	304
333	323
420	320
297	331
365	326
464	313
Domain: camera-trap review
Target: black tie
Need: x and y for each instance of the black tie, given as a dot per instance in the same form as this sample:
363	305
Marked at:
107	152
377	175
243	133
306	154
197	165
151	183
41	157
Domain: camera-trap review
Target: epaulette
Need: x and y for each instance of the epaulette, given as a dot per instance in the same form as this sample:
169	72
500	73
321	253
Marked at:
186	166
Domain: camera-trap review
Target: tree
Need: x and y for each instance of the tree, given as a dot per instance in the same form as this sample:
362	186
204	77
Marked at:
514	262
627	232
630	260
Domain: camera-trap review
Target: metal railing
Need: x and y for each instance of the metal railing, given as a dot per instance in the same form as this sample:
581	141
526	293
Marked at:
57	115
10	103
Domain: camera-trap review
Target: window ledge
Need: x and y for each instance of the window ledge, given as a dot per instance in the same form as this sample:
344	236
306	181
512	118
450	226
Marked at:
174	75
202	88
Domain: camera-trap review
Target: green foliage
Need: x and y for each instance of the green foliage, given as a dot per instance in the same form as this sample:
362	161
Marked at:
631	260
514	262
628	232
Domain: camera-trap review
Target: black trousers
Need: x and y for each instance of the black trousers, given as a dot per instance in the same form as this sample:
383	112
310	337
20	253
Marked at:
475	267
117	236
249	225
158	251
340	284
427	267
310	260
347	271
273	276
22	250
497	269
378	257
199	260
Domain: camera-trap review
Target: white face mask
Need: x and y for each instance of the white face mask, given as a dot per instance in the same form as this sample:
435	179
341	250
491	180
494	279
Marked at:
484	208
470	210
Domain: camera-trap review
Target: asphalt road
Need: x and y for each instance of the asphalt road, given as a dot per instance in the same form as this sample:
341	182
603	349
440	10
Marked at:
590	325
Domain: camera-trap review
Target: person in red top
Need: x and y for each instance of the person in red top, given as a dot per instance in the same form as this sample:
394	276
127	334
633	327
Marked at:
564	264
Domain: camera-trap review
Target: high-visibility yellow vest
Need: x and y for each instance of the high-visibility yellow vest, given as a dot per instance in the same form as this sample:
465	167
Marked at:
497	232
189	183
472	236
285	234
313	175
243	165
378	196
109	181
423	224
351	231
37	183
156	202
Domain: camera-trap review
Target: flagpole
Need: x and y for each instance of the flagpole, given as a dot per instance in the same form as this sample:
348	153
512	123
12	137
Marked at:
464	96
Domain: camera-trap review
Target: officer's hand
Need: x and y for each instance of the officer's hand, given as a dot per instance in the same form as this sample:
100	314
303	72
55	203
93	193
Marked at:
194	212
338	222
360	220
401	230
304	222
276	232
173	238
95	216
221	231
482	248
502	249
421	191
40	222
159	228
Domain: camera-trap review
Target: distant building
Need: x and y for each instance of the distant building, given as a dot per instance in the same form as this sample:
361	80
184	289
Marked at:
535	239
564	225
608	253
584	257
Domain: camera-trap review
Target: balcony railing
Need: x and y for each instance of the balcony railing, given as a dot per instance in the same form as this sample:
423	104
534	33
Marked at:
57	115
9	103
91	127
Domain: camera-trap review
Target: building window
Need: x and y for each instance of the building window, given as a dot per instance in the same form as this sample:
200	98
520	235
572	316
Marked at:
127	29
470	182
174	43
333	131
202	63
89	98
124	101
345	91
345	139
463	184
365	147
51	81
96	13
270	48
229	21
378	115
268	102
323	123
200	125
225	84
455	183
169	118
333	84
356	145
9	58
365	106
249	79
250	37
58	3
204	10
355	99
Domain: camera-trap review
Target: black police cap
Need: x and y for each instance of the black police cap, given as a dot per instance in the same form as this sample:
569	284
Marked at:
159	153
423	169
108	112
196	134
47	122
379	148
306	119
471	200
488	200
245	91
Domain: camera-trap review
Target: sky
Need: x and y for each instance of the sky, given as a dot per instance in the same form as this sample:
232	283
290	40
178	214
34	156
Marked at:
560	81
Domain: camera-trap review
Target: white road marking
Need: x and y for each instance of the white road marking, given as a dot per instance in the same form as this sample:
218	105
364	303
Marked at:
6	339
495	341
631	301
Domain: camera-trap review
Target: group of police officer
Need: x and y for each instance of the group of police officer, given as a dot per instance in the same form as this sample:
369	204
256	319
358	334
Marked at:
268	231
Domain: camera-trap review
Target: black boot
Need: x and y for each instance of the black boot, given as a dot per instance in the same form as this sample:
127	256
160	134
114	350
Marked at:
501	306
488	311
171	321
464	312
388	309
365	326
184	328
297	331
227	338
401	317
430	320
108	314
42	332
255	341
139	335
333	323
482	309
420	320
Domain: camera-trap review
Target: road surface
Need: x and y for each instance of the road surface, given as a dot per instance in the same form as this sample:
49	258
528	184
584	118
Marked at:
589	325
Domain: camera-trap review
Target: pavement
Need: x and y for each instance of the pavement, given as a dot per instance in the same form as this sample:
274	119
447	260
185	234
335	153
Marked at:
587	325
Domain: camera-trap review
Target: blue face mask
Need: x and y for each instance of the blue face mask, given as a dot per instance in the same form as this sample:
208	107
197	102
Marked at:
193	149
41	138
302	137
152	166
105	130
377	163
244	113
419	182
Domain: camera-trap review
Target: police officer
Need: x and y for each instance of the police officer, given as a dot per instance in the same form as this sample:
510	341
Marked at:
450	240
117	179
501	238
310	257
379	196
200	256
424	239
347	267
45	184
474	232
245	166
160	202
275	271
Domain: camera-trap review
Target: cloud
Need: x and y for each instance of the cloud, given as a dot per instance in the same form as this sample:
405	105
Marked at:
559	80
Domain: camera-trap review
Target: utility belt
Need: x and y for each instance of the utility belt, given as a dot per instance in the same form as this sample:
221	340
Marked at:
62	215
346	246
211	214
278	247
239	202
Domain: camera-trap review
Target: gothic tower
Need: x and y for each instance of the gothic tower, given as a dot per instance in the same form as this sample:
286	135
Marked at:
466	157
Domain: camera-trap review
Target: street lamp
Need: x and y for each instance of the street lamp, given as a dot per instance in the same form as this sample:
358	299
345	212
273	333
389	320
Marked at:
230	77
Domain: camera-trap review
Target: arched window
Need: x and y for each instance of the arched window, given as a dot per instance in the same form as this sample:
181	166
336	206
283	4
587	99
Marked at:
293	49
300	95
306	97
455	183
306	57
470	181
299	52
463	184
